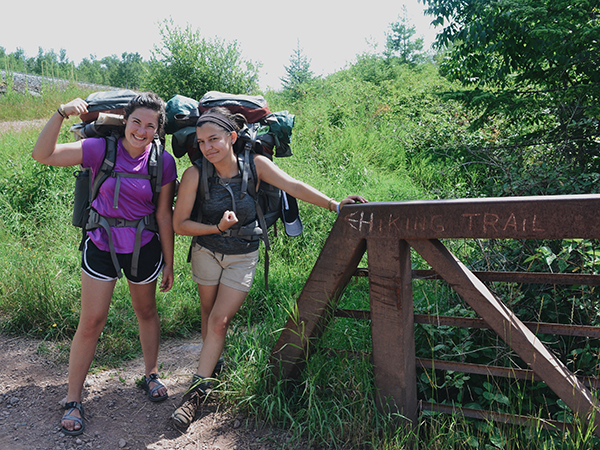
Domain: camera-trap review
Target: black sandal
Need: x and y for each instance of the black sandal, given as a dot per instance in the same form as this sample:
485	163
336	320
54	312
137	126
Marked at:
151	391
71	406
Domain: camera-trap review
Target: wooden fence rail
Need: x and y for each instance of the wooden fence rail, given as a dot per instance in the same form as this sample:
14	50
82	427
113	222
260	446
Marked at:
387	232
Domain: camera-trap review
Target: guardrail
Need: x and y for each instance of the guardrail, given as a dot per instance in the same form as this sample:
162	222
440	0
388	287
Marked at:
387	232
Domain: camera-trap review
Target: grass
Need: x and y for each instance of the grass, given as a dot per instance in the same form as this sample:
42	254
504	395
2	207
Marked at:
333	404
15	106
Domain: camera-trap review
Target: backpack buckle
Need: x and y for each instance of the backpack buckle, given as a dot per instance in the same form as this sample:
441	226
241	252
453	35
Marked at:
93	220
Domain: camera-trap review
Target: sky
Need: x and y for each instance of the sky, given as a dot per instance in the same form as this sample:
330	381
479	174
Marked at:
330	33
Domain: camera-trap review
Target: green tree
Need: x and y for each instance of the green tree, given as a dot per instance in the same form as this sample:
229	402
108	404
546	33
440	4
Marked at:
187	64
109	66
51	64
298	72
14	62
399	41
129	72
533	61
90	70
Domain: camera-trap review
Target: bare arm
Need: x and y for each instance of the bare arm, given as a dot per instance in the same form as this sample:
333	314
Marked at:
186	197
269	172
164	218
46	149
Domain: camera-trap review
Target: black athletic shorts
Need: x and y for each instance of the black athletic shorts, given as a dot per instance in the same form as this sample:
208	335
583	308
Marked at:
98	264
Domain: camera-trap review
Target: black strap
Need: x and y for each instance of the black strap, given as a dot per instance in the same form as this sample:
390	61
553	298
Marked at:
147	222
107	167
111	247
204	179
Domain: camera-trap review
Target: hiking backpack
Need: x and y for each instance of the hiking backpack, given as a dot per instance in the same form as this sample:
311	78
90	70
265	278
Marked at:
266	134
111	127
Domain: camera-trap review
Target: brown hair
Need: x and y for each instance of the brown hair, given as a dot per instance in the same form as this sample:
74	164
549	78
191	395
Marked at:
151	101
237	120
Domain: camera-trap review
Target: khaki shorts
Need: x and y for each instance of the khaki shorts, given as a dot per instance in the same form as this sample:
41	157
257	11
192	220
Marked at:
234	271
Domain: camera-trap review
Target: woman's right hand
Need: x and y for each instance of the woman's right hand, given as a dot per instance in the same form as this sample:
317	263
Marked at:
46	149
228	220
75	107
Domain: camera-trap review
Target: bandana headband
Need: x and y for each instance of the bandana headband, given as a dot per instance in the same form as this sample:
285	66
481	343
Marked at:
216	119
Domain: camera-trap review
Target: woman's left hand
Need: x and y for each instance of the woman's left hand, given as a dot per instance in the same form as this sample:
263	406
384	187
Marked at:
351	199
167	279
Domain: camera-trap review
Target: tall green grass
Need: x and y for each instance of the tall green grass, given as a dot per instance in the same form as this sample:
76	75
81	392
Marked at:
16	106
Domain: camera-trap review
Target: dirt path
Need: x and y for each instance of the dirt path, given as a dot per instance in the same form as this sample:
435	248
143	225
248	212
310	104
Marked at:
21	124
119	415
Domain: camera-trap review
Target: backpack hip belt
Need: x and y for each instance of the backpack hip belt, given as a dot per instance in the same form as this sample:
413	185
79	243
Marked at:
147	222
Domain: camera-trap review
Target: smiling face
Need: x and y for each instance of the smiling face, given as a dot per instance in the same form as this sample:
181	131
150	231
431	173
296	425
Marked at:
215	143
140	128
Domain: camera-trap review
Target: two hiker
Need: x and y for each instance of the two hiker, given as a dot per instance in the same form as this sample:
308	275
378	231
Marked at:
223	260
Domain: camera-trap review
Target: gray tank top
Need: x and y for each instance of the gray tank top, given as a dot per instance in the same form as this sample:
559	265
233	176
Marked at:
212	211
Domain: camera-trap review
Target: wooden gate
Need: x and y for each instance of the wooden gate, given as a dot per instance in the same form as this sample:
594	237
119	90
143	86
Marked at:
387	231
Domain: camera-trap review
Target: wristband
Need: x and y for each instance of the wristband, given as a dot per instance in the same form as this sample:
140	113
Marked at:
337	208
61	112
220	231
329	203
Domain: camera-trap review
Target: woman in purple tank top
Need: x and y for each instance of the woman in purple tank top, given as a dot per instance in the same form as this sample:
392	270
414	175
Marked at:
144	119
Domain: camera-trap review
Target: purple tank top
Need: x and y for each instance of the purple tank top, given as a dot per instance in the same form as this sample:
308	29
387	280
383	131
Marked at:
135	194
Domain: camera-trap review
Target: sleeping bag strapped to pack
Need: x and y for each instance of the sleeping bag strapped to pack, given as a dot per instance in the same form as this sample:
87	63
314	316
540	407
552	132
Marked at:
182	114
111	127
112	102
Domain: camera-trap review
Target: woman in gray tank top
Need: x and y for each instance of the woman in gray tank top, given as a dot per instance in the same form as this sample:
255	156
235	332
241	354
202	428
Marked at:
222	267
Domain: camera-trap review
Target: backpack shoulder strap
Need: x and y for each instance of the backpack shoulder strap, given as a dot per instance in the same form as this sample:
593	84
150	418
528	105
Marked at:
249	180
108	164
248	171
202	191
155	168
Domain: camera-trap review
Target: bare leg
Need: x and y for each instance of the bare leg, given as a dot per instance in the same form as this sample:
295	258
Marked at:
224	306
143	299
208	295
95	301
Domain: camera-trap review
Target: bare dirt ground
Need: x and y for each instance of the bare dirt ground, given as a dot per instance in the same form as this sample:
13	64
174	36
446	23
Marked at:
19	125
119	414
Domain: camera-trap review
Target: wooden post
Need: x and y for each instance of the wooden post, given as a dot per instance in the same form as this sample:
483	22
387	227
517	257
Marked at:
330	275
392	326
